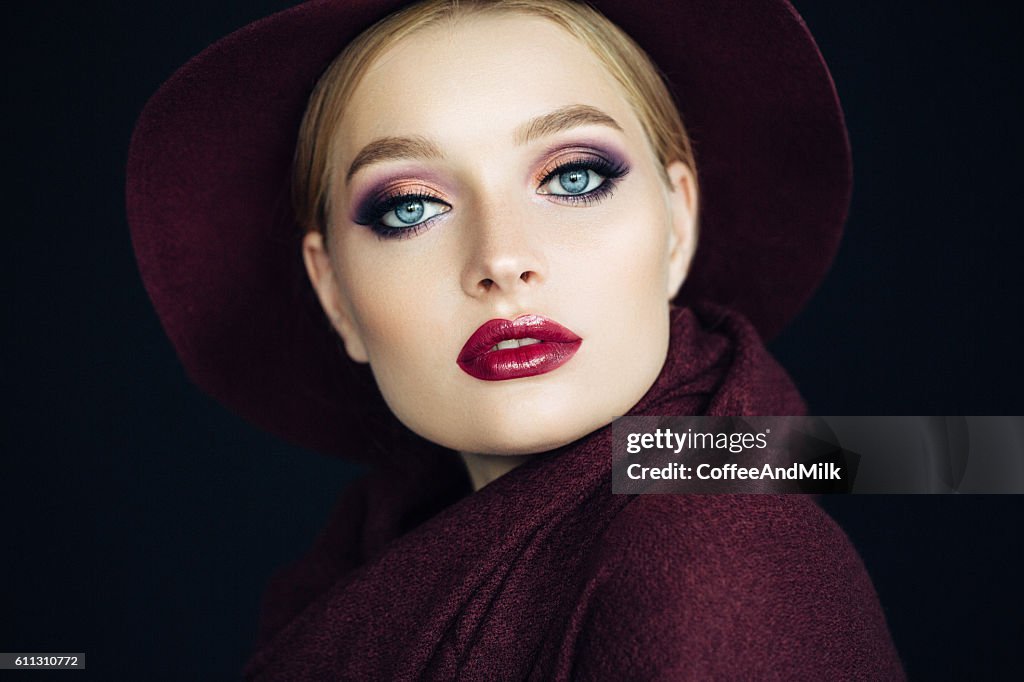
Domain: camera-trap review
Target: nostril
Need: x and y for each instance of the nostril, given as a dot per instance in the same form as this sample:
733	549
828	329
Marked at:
485	285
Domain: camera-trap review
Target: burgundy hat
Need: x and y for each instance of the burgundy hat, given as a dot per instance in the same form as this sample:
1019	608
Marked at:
219	248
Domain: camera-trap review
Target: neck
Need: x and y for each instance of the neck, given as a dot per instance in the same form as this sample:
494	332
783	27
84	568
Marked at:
485	468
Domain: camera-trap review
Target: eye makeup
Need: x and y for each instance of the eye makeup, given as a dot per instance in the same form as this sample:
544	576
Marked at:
386	207
375	207
582	161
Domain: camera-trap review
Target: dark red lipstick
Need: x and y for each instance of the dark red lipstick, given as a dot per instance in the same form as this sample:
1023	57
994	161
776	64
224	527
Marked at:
494	353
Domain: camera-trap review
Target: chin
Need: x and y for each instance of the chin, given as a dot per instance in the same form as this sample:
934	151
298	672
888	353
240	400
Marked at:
521	443
522	418
528	434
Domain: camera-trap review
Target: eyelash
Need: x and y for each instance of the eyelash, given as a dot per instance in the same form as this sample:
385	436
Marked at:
372	216
611	172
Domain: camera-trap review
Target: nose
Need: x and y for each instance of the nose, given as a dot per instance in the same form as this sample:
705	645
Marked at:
503	254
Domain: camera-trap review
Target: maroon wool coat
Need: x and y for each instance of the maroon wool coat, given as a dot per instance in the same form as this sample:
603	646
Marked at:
546	574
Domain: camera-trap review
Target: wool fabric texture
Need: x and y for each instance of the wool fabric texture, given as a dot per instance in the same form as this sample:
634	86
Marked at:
545	574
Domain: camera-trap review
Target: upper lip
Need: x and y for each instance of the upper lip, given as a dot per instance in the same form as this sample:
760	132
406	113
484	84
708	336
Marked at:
523	327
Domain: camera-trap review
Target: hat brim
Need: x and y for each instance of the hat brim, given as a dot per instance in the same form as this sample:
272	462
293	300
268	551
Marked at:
218	247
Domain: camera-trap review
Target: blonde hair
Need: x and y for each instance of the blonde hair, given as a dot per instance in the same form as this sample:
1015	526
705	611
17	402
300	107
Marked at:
626	62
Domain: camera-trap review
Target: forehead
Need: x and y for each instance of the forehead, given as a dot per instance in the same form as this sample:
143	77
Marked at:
475	80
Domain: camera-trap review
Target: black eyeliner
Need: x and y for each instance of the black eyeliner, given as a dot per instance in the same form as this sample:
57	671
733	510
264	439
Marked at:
372	213
611	171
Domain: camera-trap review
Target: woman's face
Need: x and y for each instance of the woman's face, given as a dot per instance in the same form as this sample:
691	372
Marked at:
489	170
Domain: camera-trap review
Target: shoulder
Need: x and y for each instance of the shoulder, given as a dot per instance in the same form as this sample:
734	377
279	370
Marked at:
713	585
740	550
724	530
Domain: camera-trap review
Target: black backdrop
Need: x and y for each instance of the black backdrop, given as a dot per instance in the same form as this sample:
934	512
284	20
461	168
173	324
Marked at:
141	519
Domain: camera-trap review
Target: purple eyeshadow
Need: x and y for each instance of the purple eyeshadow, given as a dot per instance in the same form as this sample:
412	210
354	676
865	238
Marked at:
599	148
376	193
387	193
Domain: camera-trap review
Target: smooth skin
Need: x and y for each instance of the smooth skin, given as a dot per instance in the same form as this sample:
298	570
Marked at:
501	242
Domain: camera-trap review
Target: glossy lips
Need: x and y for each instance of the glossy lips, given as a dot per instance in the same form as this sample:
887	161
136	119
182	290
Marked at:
556	346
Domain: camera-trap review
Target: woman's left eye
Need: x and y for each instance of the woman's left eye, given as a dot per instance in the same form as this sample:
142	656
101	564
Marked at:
411	211
572	181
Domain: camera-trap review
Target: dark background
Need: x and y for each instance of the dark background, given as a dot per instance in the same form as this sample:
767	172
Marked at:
141	519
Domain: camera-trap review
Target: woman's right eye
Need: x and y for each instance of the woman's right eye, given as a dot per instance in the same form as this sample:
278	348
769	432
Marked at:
400	215
408	212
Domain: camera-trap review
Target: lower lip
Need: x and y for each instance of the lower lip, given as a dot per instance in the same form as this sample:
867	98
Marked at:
516	363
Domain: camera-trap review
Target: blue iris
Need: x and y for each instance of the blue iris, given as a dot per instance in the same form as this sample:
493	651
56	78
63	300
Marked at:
574	181
410	211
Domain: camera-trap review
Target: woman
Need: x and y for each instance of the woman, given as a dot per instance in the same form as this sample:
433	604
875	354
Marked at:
496	204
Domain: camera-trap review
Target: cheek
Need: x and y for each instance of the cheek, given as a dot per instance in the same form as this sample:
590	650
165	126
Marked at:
379	296
628	259
396	304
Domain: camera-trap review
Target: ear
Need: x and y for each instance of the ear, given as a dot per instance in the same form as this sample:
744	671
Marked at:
332	300
682	200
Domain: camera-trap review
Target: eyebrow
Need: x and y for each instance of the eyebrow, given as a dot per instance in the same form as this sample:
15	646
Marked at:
565	118
387	148
572	116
